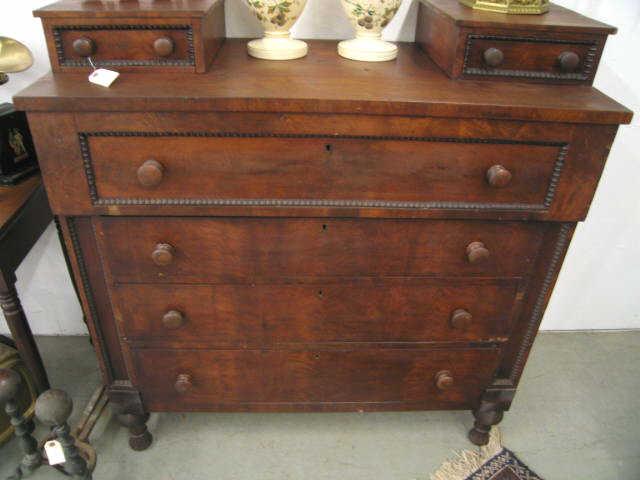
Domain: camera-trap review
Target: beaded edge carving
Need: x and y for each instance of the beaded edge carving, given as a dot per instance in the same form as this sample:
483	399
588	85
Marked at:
65	62
563	150
585	74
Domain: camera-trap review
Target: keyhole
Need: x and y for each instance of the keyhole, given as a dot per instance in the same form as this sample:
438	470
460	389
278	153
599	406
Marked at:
324	228
328	147
320	293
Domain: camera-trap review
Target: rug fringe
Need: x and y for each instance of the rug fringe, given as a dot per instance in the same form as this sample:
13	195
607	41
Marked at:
467	461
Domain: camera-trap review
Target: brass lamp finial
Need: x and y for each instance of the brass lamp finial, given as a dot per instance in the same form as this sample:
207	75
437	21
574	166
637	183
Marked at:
519	7
14	57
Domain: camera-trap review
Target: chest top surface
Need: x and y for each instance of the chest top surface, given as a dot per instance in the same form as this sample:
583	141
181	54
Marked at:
323	82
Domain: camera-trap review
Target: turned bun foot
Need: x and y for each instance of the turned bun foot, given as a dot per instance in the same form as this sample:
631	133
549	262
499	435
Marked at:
140	442
139	436
487	415
479	435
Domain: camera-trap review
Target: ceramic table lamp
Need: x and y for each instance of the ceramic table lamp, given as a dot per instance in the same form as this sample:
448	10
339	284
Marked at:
369	17
277	17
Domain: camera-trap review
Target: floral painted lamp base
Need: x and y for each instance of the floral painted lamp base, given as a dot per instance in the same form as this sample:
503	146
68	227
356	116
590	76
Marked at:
277	18
368	49
277	46
369	18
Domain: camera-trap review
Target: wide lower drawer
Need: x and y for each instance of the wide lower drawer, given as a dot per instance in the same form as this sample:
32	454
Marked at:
230	250
356	310
350	379
270	169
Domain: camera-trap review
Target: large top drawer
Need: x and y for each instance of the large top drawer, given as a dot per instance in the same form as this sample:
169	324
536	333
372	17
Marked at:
221	168
318	165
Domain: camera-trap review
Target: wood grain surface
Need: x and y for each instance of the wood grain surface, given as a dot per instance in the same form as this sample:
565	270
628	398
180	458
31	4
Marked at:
242	250
323	82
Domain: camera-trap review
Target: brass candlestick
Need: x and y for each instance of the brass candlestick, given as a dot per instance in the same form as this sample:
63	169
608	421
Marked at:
519	7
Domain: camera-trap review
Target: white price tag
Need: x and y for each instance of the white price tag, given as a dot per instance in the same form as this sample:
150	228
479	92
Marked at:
54	452
103	77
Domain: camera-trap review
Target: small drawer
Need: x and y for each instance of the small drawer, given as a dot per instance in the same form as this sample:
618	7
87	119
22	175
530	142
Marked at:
353	310
336	379
125	46
133	36
560	46
530	58
240	250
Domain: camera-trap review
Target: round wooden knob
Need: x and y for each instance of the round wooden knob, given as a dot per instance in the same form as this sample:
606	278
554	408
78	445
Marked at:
85	47
461	319
173	319
498	176
569	61
163	254
493	57
164	46
54	407
477	252
444	380
150	173
183	383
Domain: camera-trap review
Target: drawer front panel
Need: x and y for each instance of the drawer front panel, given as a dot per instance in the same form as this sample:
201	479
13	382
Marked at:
259	379
309	170
125	45
359	310
531	58
201	250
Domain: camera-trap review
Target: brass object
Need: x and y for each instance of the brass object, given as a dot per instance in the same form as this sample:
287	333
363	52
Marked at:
14	57
518	7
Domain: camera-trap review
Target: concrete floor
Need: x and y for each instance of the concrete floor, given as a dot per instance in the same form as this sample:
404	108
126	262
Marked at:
576	416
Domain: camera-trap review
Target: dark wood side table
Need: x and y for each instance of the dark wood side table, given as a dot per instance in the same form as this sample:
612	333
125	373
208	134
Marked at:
24	215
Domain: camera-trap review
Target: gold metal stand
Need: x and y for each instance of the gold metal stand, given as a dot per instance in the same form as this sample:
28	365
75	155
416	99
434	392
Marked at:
14	57
518	7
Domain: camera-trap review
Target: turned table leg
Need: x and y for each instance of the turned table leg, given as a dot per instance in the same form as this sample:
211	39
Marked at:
21	332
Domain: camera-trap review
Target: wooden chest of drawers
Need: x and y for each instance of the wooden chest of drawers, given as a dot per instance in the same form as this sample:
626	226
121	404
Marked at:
320	235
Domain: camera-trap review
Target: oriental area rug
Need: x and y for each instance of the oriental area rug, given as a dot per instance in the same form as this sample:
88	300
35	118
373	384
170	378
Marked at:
491	462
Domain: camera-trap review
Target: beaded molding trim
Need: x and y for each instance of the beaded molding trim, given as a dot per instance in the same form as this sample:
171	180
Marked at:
85	150
65	62
88	291
562	242
586	73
